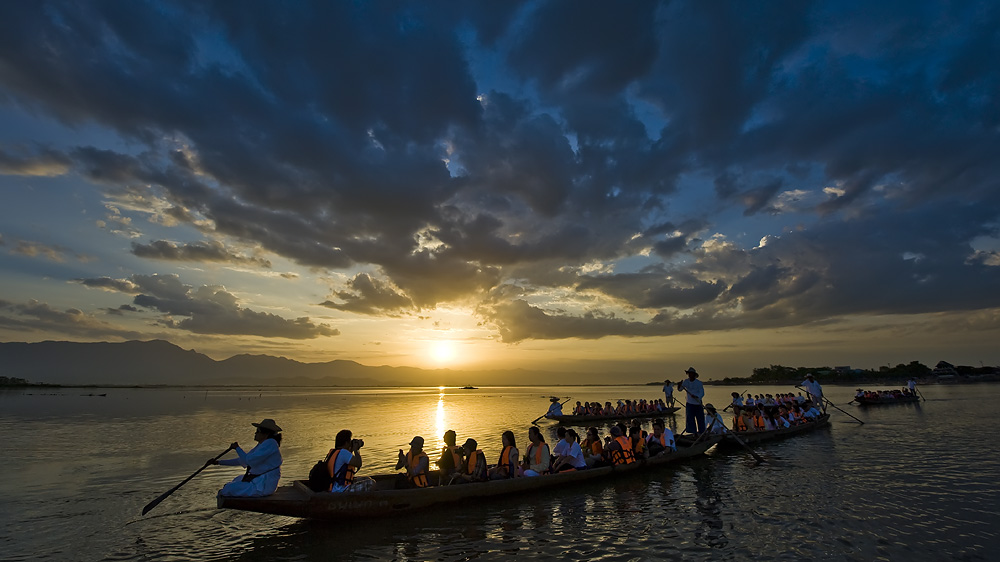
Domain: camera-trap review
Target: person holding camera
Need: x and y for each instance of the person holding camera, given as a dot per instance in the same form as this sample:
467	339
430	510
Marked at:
416	464
344	462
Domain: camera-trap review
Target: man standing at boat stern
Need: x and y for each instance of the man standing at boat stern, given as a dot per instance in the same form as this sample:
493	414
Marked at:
668	393
695	422
815	391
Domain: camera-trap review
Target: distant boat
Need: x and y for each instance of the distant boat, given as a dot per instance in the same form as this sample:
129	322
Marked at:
469	388
587	419
862	401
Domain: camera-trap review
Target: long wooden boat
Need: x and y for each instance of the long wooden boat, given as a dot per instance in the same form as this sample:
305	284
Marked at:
763	436
862	401
297	500
586	420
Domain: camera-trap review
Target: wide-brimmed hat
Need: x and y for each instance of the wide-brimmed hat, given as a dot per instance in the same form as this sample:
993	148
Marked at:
691	371
268	424
553	399
417	441
809	375
709	407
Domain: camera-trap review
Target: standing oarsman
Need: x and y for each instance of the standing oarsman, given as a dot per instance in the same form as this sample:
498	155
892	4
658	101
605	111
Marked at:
668	393
695	419
815	391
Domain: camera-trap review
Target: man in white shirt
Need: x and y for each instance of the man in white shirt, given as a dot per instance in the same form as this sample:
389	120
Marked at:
815	390
695	419
668	392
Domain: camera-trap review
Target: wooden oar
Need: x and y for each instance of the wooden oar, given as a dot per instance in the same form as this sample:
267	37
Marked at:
920	394
825	399
743	444
535	421
164	496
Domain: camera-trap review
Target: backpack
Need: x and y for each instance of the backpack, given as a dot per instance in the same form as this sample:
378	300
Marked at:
319	475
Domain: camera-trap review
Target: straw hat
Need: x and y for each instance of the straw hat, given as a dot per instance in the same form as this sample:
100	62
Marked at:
268	424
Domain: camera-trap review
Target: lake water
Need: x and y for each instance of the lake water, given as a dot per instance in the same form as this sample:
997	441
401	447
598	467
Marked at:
915	482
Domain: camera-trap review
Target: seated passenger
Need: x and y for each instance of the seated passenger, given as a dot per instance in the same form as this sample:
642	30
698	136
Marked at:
451	458
474	468
638	442
572	458
417	466
662	439
507	465
593	449
619	451
344	462
713	420
536	461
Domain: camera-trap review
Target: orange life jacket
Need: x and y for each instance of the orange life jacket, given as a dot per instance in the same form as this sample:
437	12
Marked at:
758	422
456	455
346	476
623	455
538	455
419	480
739	424
473	460
507	462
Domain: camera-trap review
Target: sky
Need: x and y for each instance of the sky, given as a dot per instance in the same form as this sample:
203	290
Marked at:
627	188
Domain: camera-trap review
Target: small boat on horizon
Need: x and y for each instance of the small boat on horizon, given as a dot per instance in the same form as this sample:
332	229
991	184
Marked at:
468	388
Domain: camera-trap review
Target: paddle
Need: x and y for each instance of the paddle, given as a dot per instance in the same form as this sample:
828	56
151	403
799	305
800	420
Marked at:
920	394
535	421
157	501
832	404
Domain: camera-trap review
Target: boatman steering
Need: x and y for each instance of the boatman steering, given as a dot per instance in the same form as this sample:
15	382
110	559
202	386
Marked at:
695	422
815	391
555	408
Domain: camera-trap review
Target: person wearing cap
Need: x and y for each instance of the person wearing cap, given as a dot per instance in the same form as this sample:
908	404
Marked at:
263	463
814	390
668	392
474	467
714	420
695	419
416	463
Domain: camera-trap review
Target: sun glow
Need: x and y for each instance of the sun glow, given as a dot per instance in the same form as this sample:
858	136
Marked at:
443	351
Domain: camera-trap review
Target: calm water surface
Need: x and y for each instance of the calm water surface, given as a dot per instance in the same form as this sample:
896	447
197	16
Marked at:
915	482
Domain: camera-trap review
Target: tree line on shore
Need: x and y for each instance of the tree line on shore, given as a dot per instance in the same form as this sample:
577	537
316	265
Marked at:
780	374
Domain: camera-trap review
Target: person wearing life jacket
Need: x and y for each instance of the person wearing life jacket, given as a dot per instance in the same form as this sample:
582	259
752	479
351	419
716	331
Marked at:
593	448
417	466
638	442
661	440
507	465
538	457
619	450
578	409
758	419
262	463
738	420
451	458
474	468
343	463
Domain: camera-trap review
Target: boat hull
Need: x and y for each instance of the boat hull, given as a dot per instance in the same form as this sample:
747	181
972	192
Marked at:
297	500
883	402
588	420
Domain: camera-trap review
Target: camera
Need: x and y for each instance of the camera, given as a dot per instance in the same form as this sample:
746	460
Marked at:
357	443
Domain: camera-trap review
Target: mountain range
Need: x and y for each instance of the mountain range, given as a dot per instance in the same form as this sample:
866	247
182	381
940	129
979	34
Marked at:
159	362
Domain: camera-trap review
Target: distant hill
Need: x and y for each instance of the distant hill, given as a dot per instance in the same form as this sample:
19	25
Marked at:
161	362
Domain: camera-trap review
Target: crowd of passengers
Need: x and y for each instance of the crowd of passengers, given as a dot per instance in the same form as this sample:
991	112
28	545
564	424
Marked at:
623	408
760	417
894	394
467	463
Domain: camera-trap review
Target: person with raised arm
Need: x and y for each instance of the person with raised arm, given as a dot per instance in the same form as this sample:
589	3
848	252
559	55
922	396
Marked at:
263	463
695	418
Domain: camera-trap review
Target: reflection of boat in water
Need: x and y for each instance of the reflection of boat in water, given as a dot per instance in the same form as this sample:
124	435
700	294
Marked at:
763	436
469	388
297	500
862	401
585	420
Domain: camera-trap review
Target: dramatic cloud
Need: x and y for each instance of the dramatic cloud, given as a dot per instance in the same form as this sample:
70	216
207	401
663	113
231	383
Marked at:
213	251
39	317
208	309
572	169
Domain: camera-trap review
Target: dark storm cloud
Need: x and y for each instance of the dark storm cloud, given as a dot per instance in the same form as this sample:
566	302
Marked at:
344	135
201	251
209	309
36	316
368	295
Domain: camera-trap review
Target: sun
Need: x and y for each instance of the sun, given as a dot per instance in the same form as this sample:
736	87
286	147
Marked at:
443	351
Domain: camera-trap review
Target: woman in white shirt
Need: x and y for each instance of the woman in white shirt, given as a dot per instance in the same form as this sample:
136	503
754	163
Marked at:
263	463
